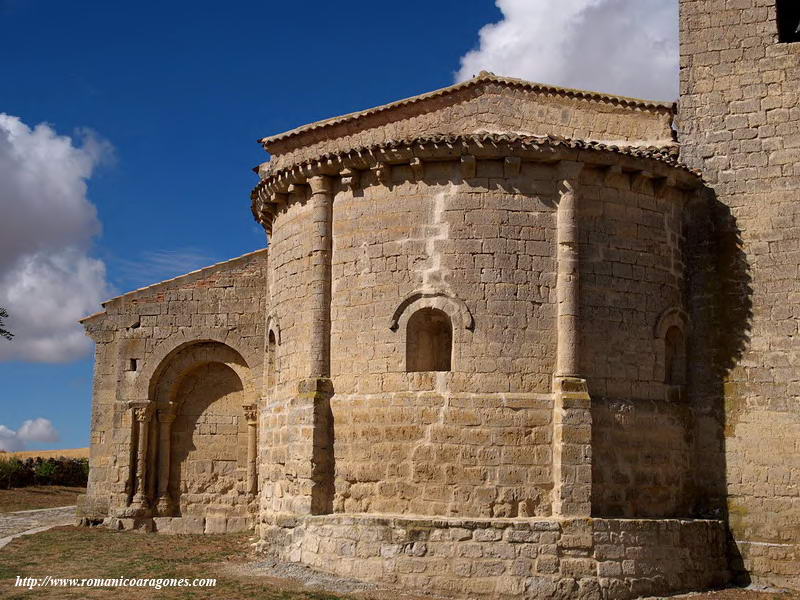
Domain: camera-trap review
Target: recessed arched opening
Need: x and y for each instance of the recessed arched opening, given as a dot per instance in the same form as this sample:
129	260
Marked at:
674	357
272	347
209	439
429	341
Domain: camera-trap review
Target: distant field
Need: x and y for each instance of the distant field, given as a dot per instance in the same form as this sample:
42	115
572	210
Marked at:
38	496
67	453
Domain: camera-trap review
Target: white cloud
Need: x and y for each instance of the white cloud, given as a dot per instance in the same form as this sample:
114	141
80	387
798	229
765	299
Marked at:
9	440
157	265
47	279
37	430
627	47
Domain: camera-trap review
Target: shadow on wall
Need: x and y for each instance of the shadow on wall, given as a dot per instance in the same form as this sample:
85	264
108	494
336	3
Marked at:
207	442
721	307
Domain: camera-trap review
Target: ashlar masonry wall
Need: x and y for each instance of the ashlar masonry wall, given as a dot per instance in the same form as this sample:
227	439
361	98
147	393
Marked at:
476	238
739	122
137	336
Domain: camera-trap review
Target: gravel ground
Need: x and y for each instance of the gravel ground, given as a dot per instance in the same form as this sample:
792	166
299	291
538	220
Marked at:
302	577
16	523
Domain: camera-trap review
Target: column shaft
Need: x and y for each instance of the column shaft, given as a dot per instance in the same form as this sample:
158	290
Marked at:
165	500
572	411
320	285
251	415
141	418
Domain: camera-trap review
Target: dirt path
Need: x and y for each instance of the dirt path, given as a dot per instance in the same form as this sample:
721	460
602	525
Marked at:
26	522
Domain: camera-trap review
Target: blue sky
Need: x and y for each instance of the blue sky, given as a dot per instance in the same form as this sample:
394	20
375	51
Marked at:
164	101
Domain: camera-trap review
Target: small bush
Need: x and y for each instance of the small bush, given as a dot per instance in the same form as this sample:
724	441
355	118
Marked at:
38	471
10	470
45	472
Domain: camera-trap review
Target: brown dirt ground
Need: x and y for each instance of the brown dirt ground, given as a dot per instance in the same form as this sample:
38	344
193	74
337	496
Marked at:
66	453
38	496
97	552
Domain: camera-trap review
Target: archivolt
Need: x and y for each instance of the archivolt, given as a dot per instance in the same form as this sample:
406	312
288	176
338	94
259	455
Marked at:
672	316
455	308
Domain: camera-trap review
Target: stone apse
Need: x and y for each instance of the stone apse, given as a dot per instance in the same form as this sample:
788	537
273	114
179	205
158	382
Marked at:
479	357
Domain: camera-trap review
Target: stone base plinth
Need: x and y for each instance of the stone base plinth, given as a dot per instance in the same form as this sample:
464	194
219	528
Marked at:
509	558
187	524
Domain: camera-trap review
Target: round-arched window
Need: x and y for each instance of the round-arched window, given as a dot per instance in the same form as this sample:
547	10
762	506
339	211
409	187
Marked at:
429	341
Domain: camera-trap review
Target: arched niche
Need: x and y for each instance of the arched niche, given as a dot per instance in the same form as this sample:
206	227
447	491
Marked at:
204	436
670	333
429	341
435	323
271	358
191	356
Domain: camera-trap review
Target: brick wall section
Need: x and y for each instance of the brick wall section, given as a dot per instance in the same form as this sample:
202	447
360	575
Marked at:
503	558
225	301
740	124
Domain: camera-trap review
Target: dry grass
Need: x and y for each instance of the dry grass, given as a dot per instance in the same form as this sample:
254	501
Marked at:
38	496
66	453
97	552
734	594
100	553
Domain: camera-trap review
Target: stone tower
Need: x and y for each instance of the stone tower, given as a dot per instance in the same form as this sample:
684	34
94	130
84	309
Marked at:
739	123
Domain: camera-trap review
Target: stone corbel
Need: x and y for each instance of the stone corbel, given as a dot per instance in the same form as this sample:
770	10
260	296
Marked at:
661	186
383	173
512	165
417	168
640	179
611	172
298	190
469	166
280	200
350	179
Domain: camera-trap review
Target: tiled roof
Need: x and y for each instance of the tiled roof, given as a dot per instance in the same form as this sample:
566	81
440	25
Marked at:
483	78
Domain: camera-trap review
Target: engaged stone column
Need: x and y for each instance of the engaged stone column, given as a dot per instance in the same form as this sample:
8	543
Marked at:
572	415
142	411
251	415
320	285
166	504
310	464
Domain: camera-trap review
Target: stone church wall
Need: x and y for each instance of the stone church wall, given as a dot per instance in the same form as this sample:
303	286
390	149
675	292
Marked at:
499	558
739	122
632	275
137	331
477	441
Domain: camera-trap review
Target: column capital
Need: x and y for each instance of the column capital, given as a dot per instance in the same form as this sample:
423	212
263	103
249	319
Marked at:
250	413
320	184
142	410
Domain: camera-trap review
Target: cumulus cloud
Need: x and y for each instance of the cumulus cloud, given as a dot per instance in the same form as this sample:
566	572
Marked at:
627	47
37	430
48	280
